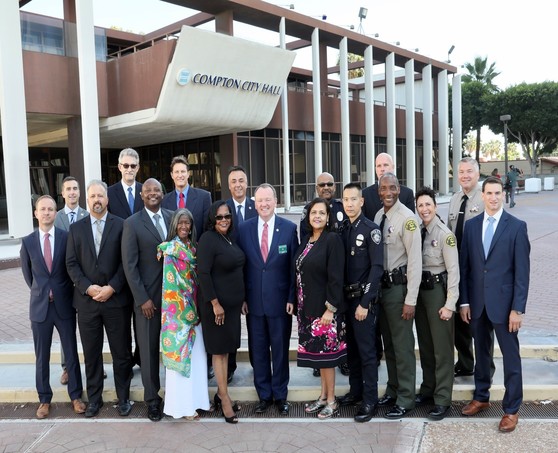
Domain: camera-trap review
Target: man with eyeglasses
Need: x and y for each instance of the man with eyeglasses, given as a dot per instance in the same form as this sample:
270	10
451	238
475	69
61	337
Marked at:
124	196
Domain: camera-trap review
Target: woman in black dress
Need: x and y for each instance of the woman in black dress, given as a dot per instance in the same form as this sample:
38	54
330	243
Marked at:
320	265
220	273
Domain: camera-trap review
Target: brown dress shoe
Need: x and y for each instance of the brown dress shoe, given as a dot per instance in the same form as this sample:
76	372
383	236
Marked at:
79	406
474	407
64	377
508	423
43	410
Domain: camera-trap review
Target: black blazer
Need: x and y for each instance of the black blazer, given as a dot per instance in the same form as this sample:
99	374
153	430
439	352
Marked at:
86	268
118	200
144	272
372	202
322	274
198	203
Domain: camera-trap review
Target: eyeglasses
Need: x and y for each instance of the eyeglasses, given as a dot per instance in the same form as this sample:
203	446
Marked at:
126	166
324	184
223	217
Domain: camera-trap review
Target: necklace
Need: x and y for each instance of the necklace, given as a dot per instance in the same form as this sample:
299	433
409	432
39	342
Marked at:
225	238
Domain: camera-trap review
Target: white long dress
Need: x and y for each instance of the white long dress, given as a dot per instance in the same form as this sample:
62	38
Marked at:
184	395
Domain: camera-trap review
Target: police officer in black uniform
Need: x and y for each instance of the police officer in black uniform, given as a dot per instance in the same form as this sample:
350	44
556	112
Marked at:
363	271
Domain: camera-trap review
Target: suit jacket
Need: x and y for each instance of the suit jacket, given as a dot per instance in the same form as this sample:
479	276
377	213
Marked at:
143	271
269	286
198	203
61	221
249	213
372	202
41	281
86	268
499	283
118	200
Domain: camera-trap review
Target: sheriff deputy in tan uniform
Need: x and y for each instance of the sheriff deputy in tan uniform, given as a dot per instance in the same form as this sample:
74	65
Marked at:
438	295
400	286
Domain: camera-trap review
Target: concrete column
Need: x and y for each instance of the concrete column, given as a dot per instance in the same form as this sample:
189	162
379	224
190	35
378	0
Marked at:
410	147
224	23
390	106
14	123
317	102
369	114
75	155
228	149
345	131
427	124
456	127
87	66
443	142
285	129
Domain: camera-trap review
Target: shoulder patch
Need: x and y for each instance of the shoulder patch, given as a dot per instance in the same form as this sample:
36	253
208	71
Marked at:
376	236
410	225
450	240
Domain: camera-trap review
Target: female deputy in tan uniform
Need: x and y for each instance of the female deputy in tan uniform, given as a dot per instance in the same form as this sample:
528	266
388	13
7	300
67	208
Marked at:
438	294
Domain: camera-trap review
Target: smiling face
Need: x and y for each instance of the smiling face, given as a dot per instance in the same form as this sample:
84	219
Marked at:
70	193
151	194
45	212
317	217
97	200
468	176
129	168
179	175
223	219
352	203
426	208
325	186
183	228
389	192
265	203
238	183
493	197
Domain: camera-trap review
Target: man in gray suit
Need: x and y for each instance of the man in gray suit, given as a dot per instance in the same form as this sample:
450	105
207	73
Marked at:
70	213
143	232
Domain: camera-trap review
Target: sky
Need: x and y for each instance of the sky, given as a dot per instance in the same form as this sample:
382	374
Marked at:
521	41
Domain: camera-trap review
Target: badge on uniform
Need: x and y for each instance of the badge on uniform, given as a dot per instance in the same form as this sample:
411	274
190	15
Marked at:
450	240
359	240
376	236
282	249
410	225
339	216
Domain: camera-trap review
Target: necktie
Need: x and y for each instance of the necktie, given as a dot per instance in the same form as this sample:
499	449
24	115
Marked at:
72	217
98	235
382	223
130	200
488	235
48	252
264	247
460	220
239	214
423	235
181	202
158	226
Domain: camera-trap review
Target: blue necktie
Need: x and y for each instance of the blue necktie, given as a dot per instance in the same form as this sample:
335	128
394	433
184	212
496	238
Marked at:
130	200
239	214
488	235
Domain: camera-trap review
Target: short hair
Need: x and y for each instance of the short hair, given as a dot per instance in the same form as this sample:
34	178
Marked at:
129	152
388	175
353	185
97	182
428	191
470	161
42	197
237	168
266	185
313	203
211	220
171	233
492	180
68	179
179	160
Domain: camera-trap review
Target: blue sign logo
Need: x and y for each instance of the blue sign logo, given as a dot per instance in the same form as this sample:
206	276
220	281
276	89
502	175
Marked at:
183	77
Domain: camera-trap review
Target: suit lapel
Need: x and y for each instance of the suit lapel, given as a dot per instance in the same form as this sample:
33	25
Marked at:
56	255
106	232
275	241
191	200
148	223
502	225
256	241
37	240
87	228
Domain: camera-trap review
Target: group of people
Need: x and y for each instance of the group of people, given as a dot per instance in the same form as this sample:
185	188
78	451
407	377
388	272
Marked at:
185	269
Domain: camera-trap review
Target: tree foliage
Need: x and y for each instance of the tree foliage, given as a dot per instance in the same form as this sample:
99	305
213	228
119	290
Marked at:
478	72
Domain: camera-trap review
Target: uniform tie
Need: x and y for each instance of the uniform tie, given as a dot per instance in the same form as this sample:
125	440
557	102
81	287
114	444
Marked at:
423	235
264	245
130	200
181	202
460	220
488	235
239	214
382	223
158	226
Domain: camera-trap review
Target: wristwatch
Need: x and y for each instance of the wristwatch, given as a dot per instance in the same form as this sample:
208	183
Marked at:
518	312
330	307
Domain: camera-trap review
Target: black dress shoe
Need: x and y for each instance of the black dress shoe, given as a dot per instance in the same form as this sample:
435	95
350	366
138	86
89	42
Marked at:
154	412
386	400
439	412
230	375
210	373
316	372
282	407
460	372
349	400
124	408
93	409
421	400
262	406
365	413
397	412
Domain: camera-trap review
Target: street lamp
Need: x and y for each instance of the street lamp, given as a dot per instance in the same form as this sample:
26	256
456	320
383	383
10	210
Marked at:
505	119
449	52
362	13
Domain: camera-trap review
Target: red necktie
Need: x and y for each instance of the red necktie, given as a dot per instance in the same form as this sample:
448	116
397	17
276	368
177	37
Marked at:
264	247
181	203
48	253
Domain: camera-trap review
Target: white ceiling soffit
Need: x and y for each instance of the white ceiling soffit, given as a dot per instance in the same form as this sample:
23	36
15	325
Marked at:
216	84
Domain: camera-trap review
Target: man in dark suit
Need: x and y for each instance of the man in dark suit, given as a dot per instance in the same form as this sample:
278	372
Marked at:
125	200
494	266
143	232
269	243
70	213
124	196
242	208
101	298
43	266
197	201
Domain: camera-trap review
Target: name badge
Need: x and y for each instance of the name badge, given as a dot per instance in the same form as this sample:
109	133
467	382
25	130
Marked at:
282	249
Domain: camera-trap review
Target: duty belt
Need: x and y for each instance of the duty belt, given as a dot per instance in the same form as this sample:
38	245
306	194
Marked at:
429	279
395	277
